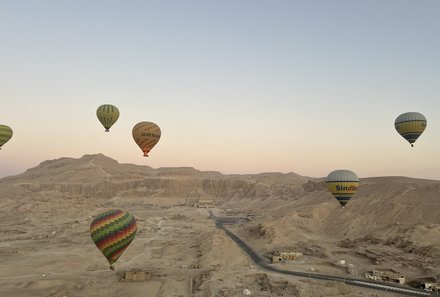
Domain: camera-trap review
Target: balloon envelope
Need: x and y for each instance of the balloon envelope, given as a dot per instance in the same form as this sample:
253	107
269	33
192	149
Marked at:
146	135
410	125
342	184
108	115
5	134
112	232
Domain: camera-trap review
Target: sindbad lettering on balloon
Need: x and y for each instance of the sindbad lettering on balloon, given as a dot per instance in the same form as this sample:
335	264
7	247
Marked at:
346	188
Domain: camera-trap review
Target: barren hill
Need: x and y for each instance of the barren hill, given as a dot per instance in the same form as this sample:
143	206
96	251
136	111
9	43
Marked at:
391	222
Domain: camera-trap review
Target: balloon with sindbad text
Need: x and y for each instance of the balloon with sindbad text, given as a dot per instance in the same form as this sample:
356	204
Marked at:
146	135
342	184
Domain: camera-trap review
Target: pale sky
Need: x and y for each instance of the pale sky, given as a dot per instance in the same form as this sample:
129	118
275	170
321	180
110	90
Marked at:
237	86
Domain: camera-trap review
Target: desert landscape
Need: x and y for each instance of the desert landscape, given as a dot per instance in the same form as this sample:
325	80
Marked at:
391	223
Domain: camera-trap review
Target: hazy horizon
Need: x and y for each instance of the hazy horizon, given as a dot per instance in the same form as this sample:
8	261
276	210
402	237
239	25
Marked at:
213	170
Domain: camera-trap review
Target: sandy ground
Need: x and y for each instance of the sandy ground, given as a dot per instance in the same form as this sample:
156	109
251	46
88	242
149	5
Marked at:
46	250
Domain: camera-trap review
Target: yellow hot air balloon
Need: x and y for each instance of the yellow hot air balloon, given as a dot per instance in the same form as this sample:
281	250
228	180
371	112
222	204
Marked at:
146	135
5	134
342	184
108	115
410	125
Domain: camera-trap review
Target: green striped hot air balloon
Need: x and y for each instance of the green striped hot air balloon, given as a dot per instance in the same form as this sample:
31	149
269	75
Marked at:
410	125
5	134
342	184
112	232
108	115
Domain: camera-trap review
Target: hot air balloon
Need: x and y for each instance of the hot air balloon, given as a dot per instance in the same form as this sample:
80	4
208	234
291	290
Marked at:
108	115
112	232
410	125
342	184
146	135
5	134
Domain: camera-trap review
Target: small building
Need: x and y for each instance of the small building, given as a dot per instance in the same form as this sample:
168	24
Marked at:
136	276
286	256
387	275
206	203
224	292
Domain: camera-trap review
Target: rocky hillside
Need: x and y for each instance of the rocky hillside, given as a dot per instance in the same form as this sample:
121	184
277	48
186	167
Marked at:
102	177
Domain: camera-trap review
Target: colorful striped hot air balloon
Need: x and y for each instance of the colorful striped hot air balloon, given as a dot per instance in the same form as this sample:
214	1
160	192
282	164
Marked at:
342	184
410	125
108	115
112	232
5	134
146	135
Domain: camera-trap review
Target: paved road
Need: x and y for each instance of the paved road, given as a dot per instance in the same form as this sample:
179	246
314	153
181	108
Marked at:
263	263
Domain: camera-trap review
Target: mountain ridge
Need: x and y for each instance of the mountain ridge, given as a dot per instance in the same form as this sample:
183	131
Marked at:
89	161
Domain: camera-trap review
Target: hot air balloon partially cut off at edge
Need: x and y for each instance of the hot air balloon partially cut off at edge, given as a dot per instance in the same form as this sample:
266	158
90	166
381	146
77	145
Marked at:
5	134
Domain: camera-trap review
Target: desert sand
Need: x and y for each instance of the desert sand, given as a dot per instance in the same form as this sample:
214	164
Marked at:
46	249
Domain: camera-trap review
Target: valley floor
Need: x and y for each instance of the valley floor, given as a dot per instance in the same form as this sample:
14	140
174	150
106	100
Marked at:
47	251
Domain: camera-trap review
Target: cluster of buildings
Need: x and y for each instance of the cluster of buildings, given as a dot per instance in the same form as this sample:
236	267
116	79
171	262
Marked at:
391	275
433	287
388	275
